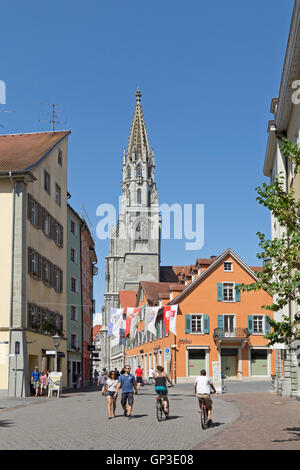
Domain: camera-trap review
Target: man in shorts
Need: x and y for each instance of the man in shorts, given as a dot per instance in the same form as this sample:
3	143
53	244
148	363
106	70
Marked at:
139	376
127	382
203	389
35	380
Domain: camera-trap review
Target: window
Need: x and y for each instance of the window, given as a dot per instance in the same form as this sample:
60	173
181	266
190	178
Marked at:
34	211
139	196
46	223
228	292
196	323
34	263
58	279
228	323
57	194
58	234
74	313
46	271
128	172
74	285
73	227
74	342
149	172
228	266
73	255
47	183
258	324
59	157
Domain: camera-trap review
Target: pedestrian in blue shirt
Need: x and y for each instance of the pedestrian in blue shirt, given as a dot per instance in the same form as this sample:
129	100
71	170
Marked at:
128	383
35	380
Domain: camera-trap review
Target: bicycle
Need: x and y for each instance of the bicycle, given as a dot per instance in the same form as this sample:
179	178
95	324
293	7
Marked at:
160	413
203	415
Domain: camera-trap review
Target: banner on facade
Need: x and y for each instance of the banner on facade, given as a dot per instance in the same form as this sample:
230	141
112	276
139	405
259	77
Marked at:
115	314
170	317
132	322
150	319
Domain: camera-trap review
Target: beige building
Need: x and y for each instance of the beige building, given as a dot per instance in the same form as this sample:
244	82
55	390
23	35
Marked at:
33	208
286	123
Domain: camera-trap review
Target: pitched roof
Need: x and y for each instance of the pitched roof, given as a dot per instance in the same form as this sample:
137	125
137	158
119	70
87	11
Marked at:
20	152
96	329
155	290
205	273
127	298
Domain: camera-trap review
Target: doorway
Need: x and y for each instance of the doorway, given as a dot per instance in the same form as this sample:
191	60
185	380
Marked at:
196	361
229	362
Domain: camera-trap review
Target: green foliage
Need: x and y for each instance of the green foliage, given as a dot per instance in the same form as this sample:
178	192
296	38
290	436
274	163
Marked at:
281	274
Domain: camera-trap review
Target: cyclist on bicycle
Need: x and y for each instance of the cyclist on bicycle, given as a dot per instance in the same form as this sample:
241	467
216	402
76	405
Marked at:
203	388
160	381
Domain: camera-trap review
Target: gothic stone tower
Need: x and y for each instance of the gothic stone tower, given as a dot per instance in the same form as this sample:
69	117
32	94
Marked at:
135	243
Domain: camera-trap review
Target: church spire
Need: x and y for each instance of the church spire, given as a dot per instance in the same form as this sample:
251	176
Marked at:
138	145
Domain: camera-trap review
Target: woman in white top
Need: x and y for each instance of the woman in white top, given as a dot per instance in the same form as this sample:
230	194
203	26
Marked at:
109	391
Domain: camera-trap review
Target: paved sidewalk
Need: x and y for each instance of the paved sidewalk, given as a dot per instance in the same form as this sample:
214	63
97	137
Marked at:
79	421
266	422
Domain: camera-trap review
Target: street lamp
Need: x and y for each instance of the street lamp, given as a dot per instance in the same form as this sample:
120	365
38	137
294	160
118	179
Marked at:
56	342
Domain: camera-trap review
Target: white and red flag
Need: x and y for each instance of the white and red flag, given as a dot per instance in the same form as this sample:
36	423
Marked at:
132	322
170	317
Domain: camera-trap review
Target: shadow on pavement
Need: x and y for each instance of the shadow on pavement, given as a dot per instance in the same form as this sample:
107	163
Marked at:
215	425
293	431
5	424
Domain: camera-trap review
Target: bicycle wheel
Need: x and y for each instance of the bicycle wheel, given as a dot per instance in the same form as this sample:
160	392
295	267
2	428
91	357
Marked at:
159	409
204	418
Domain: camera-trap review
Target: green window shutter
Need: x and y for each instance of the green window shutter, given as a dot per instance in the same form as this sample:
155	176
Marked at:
220	322
267	324
237	293
188	325
206	324
250	324
220	291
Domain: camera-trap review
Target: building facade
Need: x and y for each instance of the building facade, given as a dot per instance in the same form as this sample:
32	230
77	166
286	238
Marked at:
74	297
135	243
216	323
286	123
33	189
88	270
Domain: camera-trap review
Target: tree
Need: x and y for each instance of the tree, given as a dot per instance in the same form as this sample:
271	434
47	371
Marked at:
281	274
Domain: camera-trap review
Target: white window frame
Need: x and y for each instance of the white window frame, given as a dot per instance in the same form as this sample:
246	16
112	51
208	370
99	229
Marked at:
201	315
231	266
229	333
263	317
233	291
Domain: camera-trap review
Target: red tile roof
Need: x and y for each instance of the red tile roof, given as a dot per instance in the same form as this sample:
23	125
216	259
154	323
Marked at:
127	298
20	152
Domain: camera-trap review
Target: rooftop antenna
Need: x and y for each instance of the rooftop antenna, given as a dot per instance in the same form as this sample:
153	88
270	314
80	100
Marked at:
53	114
4	111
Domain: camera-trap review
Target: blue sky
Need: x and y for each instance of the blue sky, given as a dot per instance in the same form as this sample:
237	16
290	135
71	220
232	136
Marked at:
207	72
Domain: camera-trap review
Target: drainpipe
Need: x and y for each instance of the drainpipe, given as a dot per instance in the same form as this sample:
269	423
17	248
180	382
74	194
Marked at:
11	279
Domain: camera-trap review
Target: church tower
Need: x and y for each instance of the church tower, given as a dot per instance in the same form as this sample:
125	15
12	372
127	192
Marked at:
135	242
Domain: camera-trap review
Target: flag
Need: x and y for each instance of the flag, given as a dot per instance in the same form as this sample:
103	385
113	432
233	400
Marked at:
150	319
131	322
170	316
118	323
115	314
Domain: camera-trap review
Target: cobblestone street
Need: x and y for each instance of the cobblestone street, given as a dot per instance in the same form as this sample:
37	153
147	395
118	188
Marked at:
78	420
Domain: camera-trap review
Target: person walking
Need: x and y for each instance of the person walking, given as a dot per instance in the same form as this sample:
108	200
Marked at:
110	390
43	382
102	380
35	380
128	383
139	376
117	373
151	372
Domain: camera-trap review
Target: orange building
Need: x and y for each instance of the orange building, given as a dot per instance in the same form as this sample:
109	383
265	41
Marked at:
216	323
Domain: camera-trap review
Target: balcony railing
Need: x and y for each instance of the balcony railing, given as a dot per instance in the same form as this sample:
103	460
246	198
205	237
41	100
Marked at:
233	333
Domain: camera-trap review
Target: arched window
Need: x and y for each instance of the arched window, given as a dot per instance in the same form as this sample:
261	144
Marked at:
128	172
139	196
138	171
